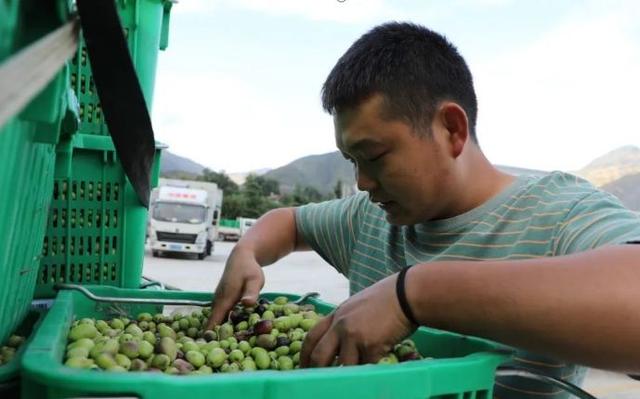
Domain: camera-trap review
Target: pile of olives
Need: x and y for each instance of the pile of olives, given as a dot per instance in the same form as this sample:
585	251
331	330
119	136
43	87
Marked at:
267	336
8	351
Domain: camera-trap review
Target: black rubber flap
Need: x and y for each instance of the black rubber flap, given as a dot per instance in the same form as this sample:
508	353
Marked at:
120	94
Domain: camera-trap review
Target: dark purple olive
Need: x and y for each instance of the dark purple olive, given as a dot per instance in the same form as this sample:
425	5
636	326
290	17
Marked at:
410	356
238	316
260	309
283	341
263	327
263	301
179	354
243	335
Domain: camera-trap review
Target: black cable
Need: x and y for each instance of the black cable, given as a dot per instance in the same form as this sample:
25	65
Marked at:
506	371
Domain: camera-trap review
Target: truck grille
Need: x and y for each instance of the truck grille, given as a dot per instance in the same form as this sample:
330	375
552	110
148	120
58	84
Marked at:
176	237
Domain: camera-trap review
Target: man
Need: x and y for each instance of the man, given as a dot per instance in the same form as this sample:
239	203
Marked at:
536	263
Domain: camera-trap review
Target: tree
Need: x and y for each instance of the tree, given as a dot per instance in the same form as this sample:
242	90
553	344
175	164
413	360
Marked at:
223	181
261	184
337	190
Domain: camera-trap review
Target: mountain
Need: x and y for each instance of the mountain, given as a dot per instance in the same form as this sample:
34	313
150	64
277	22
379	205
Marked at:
240	177
627	189
612	166
172	164
321	172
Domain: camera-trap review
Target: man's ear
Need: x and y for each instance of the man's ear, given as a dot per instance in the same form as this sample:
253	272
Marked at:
455	123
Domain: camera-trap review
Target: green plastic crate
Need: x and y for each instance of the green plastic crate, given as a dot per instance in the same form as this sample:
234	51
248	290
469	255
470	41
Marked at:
96	226
464	368
27	151
146	27
10	372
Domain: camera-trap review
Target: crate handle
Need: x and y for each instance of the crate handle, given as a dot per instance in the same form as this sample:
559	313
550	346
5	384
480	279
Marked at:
510	371
184	302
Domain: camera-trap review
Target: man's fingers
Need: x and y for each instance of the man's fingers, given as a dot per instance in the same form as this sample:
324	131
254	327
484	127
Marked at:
312	338
252	287
348	355
324	353
222	304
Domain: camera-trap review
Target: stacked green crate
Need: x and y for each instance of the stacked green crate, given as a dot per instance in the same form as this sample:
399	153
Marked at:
96	227
27	151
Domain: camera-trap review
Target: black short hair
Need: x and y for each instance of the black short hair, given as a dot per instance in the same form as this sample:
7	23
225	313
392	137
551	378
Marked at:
412	67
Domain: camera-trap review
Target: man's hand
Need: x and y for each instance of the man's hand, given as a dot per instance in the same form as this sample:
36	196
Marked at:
242	280
361	330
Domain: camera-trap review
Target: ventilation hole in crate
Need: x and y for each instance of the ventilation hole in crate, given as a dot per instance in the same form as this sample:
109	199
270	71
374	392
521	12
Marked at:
83	56
113	272
107	192
90	191
64	187
55	190
43	274
98	219
96	272
63	245
105	271
89	217
74	190
82	189
45	246
81	246
98	113
83	84
115	218
72	218
62	273
51	278
63	218
72	246
107	245
106	218
81	218
81	112
116	191
72	273
96	248
114	245
89	112
92	86
99	191
54	217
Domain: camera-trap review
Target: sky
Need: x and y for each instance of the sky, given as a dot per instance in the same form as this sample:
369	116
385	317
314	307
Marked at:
557	81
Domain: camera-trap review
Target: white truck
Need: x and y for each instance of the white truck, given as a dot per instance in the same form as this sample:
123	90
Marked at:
232	230
184	217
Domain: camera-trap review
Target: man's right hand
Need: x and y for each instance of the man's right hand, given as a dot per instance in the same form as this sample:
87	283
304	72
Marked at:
241	281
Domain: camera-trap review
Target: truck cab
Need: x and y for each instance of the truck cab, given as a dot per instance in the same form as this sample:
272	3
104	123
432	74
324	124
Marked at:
184	218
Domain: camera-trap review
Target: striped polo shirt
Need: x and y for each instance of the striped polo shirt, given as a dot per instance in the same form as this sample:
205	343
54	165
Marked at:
556	214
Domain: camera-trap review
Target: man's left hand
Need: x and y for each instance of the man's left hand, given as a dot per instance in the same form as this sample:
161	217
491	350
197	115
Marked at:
362	329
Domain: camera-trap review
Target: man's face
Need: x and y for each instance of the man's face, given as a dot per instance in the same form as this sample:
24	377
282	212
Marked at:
404	172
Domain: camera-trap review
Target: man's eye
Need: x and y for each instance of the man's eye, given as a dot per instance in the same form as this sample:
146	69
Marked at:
377	157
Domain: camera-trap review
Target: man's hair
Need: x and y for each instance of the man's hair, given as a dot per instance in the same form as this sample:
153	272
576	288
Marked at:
412	67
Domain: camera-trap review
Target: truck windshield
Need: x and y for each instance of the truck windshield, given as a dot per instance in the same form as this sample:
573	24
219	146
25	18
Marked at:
179	213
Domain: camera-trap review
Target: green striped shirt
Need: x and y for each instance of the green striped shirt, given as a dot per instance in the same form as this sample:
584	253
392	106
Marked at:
553	215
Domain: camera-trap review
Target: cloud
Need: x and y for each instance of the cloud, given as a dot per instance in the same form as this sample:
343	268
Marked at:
566	98
224	123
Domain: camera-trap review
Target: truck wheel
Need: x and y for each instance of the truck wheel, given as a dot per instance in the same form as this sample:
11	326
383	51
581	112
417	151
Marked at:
155	253
202	255
209	247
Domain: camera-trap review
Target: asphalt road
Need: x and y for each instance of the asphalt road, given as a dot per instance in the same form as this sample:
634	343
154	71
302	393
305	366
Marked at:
303	272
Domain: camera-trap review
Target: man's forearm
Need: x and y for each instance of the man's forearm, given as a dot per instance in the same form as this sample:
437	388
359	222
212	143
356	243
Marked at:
581	308
272	237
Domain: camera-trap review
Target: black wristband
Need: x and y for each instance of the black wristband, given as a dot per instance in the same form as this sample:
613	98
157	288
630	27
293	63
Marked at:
402	297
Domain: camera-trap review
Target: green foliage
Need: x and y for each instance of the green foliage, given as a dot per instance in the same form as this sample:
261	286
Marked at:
223	181
257	195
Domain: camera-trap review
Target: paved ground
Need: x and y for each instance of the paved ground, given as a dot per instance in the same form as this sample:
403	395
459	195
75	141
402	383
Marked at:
302	272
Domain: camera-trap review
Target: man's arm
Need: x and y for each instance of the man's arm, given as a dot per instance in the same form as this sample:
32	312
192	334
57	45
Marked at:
580	308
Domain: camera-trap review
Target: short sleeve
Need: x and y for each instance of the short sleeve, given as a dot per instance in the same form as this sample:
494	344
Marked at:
331	228
596	220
